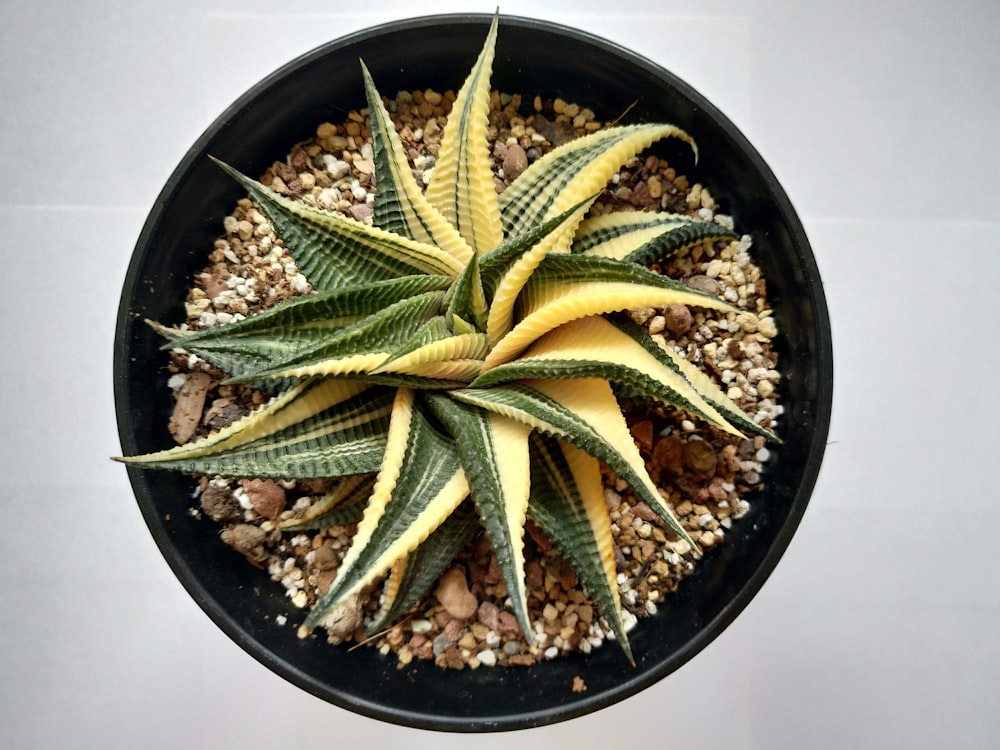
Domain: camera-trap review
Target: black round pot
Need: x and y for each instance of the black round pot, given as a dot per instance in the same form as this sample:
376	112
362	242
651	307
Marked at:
532	58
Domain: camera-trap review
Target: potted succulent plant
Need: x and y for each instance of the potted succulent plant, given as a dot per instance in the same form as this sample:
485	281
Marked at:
461	363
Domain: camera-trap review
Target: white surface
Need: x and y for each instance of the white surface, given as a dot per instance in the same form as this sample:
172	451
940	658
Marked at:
879	627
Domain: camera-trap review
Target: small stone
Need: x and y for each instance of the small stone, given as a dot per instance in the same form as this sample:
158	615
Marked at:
678	319
487	658
508	625
244	537
668	455
767	328
515	162
489	615
453	593
699	456
219	504
655	187
704	283
765	389
642	433
747	322
267	497
189	406
362	212
656	324
512	648
644	512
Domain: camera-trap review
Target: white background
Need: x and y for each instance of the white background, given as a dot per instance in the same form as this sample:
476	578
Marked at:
879	627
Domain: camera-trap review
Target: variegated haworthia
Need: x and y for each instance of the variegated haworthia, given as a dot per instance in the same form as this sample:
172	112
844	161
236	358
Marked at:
455	362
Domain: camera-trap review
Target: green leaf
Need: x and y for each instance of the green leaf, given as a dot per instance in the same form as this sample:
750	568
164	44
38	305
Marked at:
585	413
494	264
567	287
462	186
358	348
285	331
343	505
494	453
574	170
593	347
402	207
413	576
567	502
643	237
467	309
334	251
319	429
434	352
419	485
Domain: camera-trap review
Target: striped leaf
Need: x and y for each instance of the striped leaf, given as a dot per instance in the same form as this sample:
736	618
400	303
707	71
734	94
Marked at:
573	171
402	208
334	251
358	348
319	429
412	577
567	502
494	453
343	505
467	307
285	331
495	264
643	237
593	347
419	484
714	395
462	186
585	413
434	352
567	287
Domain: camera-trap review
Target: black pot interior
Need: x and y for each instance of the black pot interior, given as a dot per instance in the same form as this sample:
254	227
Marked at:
532	58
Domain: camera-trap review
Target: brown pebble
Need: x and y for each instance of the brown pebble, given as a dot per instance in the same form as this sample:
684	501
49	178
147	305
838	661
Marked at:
489	615
190	404
244	537
361	212
422	647
515	161
266	496
507	624
219	504
704	284
699	456
643	511
642	432
678	319
668	455
453	593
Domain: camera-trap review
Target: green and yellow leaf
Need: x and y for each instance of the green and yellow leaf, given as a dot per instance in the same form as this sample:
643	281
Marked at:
403	209
567	502
462	186
644	237
335	251
568	174
420	483
320	429
494	452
